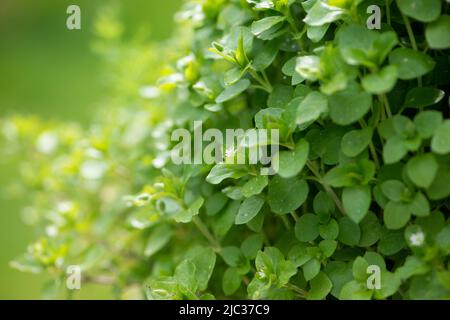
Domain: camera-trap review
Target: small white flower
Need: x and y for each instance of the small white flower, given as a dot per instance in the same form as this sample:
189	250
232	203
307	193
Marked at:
417	239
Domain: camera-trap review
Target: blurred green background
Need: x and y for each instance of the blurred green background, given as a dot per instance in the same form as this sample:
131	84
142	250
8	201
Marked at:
49	71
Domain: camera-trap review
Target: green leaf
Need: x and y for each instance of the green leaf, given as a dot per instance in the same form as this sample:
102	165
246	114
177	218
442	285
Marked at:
231	255
221	172
290	163
254	186
323	206
260	26
396	215
307	227
359	269
204	260
437	33
411	64
421	10
370	230
328	247
339	273
393	189
382	81
423	97
286	195
312	108
158	238
391	242
394	150
249	209
355	141
215	203
422	169
233	91
355	290
427	122
311	269
440	143
351	174
322	13
280	96
266	55
185	276
356	201
252	245
320	287
186	215
349	232
350	105
231	281
419	206
329	231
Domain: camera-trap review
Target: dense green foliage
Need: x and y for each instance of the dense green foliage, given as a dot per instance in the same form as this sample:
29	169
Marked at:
364	162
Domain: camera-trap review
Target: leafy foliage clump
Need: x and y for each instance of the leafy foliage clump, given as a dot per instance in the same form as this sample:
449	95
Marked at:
364	161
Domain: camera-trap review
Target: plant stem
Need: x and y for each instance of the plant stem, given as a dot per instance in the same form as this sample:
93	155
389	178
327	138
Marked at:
388	12
286	222
412	39
302	293
205	232
294	216
326	187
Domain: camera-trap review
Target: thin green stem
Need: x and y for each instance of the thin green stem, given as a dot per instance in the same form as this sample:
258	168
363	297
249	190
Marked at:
294	216
388	12
412	39
326	187
205	232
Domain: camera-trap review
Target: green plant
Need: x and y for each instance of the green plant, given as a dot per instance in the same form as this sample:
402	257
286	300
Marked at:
364	161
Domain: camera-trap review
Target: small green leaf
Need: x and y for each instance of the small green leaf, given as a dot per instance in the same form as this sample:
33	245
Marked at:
286	195
233	91
393	190
307	227
231	281
427	122
350	105
312	108
329	231
421	10
231	255
311	269
260	26
322	13
320	287
411	64
396	215
360	269
354	142
254	186
437	33
440	143
349	232
249	209
382	81
252	245
394	150
422	169
423	97
356	201
290	163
